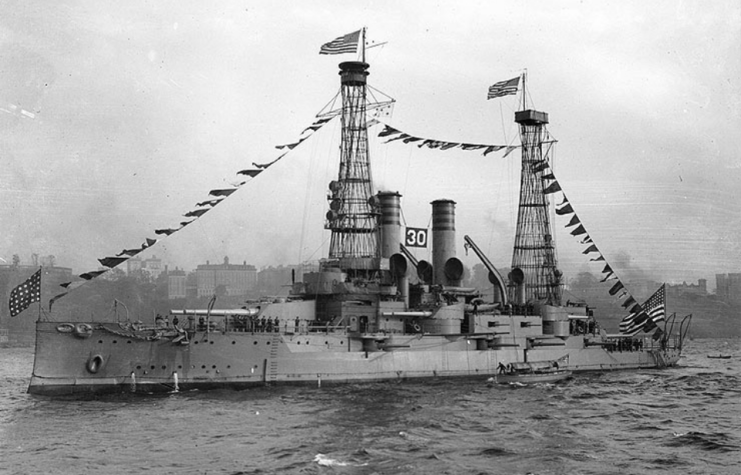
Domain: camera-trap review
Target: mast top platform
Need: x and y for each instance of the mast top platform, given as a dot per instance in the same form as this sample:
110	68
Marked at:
354	72
531	117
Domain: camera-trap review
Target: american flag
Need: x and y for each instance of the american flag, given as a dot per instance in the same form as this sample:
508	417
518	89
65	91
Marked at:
653	310
25	294
503	88
343	44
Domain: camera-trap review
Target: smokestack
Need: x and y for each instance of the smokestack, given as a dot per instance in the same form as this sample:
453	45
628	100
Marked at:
447	269
517	277
389	202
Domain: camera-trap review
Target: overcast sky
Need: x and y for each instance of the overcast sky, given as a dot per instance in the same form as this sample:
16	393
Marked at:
117	117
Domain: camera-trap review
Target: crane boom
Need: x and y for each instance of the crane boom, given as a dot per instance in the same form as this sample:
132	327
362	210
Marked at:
494	276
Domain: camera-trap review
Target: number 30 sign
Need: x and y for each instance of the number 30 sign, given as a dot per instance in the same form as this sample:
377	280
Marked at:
416	237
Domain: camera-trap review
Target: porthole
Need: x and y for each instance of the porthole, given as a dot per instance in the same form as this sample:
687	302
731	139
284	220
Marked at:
203	366
267	342
228	366
234	343
100	341
254	343
299	342
213	367
138	367
164	367
196	342
114	342
212	342
151	367
128	342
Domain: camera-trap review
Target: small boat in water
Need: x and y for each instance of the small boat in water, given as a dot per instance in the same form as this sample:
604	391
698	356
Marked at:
529	373
720	357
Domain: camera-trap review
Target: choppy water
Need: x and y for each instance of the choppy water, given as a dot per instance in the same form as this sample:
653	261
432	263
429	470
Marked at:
683	420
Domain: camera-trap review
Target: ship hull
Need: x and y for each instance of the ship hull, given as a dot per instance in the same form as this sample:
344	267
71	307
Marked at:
109	359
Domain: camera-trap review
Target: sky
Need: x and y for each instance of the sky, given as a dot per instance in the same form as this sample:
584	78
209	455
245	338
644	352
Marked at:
117	117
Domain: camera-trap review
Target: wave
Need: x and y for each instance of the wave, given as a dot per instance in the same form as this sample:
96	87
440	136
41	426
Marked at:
324	460
717	441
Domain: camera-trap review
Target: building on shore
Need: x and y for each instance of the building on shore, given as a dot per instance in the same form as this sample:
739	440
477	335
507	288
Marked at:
177	284
225	279
152	266
728	287
684	289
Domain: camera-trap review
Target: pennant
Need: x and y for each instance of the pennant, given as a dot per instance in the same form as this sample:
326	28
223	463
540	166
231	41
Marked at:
211	203
492	148
616	288
577	230
129	252
588	240
565	210
185	223
400	137
564	201
112	262
609	276
503	88
471	146
343	44
629	301
509	150
55	298
223	192
539	166
600	258
317	125
552	188
430	143
149	243
196	213
449	145
412	139
25	294
607	269
574	221
636	308
592	248
166	232
387	131
290	146
249	173
548	176
92	275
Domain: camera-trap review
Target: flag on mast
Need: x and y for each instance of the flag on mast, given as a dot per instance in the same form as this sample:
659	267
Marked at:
503	88
653	310
343	44
25	294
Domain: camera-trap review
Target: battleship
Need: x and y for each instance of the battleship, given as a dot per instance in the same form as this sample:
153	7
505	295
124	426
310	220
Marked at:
372	311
